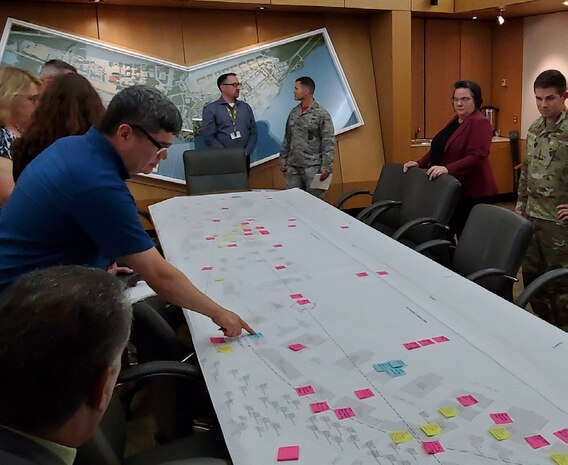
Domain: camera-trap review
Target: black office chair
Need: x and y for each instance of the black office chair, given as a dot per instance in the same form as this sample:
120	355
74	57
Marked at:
425	208
540	282
387	189
215	170
107	445
491	248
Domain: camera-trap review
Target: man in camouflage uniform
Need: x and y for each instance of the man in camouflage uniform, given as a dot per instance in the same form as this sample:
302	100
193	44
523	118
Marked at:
543	196
309	142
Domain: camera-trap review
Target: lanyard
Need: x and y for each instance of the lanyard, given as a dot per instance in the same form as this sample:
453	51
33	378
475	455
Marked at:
232	114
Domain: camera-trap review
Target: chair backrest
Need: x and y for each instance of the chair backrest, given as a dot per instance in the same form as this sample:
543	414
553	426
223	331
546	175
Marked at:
493	237
424	198
215	170
389	188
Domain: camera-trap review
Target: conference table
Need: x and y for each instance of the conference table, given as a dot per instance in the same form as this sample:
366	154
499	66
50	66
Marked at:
366	352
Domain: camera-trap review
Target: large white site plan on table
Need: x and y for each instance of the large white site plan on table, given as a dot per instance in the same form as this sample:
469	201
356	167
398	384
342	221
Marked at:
370	353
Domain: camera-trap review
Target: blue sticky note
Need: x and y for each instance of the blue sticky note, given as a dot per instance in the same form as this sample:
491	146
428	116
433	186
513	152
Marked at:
381	367
395	372
255	335
396	363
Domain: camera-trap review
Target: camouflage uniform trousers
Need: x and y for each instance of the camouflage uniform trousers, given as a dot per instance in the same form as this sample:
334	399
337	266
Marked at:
548	250
302	178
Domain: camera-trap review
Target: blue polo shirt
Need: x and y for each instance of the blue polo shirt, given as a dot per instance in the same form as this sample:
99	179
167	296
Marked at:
70	206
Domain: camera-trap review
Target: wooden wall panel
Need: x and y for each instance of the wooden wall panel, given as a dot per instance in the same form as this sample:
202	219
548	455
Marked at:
442	70
273	26
360	150
417	72
151	31
443	6
475	56
225	32
75	19
508	64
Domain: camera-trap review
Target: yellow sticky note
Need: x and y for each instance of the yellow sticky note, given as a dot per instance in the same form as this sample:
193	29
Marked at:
500	433
431	429
560	458
400	437
448	412
224	349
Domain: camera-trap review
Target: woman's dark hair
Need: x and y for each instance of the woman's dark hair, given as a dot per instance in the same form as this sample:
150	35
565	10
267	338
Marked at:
475	89
68	107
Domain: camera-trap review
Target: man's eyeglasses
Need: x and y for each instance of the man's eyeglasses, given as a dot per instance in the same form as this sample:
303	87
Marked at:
159	146
460	100
236	85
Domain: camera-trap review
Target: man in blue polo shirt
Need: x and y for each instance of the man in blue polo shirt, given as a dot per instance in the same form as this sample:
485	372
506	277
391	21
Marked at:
229	122
71	206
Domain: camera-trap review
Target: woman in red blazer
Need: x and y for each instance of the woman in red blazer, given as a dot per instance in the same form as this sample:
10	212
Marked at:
461	149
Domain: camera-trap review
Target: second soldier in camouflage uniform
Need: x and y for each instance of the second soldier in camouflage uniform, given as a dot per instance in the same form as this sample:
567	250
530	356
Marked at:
309	141
543	195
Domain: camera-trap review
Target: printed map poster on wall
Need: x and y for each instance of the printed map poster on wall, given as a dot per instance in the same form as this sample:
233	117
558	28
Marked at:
267	72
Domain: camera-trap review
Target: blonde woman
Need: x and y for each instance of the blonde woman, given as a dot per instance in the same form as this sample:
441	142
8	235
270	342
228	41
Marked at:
19	93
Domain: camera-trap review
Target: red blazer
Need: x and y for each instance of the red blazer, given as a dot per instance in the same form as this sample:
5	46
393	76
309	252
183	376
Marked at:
466	157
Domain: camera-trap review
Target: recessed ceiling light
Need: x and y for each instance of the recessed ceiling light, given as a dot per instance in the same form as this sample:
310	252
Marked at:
475	17
565	3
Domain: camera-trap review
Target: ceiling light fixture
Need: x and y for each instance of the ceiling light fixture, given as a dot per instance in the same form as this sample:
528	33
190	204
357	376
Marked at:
475	17
500	18
565	3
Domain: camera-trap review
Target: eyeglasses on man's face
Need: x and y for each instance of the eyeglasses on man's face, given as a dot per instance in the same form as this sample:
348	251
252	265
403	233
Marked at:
462	100
236	85
161	148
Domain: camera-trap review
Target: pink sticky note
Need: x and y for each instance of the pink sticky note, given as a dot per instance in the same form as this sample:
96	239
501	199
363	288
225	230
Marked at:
216	221
225	208
210	238
291	225
291	219
362	274
411	345
432	447
264	232
296	296
303	301
562	435
245	222
277	246
344	227
217	340
231	245
501	418
305	391
247	230
364	393
440	339
383	273
318	407
250	219
207	268
288	453
426	342
343	413
280	267
468	400
296	347
248	234
259	227
537	441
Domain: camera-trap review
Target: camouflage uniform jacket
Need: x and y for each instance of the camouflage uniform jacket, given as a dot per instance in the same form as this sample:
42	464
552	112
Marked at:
544	178
309	139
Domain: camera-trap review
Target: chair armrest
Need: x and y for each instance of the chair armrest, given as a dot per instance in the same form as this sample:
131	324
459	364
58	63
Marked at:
377	209
417	222
538	283
146	370
488	272
421	248
347	196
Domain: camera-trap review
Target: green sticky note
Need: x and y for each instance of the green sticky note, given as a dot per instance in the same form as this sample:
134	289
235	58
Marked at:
431	429
224	349
400	437
500	433
449	412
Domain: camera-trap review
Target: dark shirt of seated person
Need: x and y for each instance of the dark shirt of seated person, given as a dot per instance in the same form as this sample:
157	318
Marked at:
461	149
62	335
68	107
71	205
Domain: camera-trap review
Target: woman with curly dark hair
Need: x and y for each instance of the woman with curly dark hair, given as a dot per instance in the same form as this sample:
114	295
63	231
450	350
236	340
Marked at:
69	107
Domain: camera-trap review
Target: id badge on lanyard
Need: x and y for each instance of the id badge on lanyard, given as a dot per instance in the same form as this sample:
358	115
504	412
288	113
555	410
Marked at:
233	115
